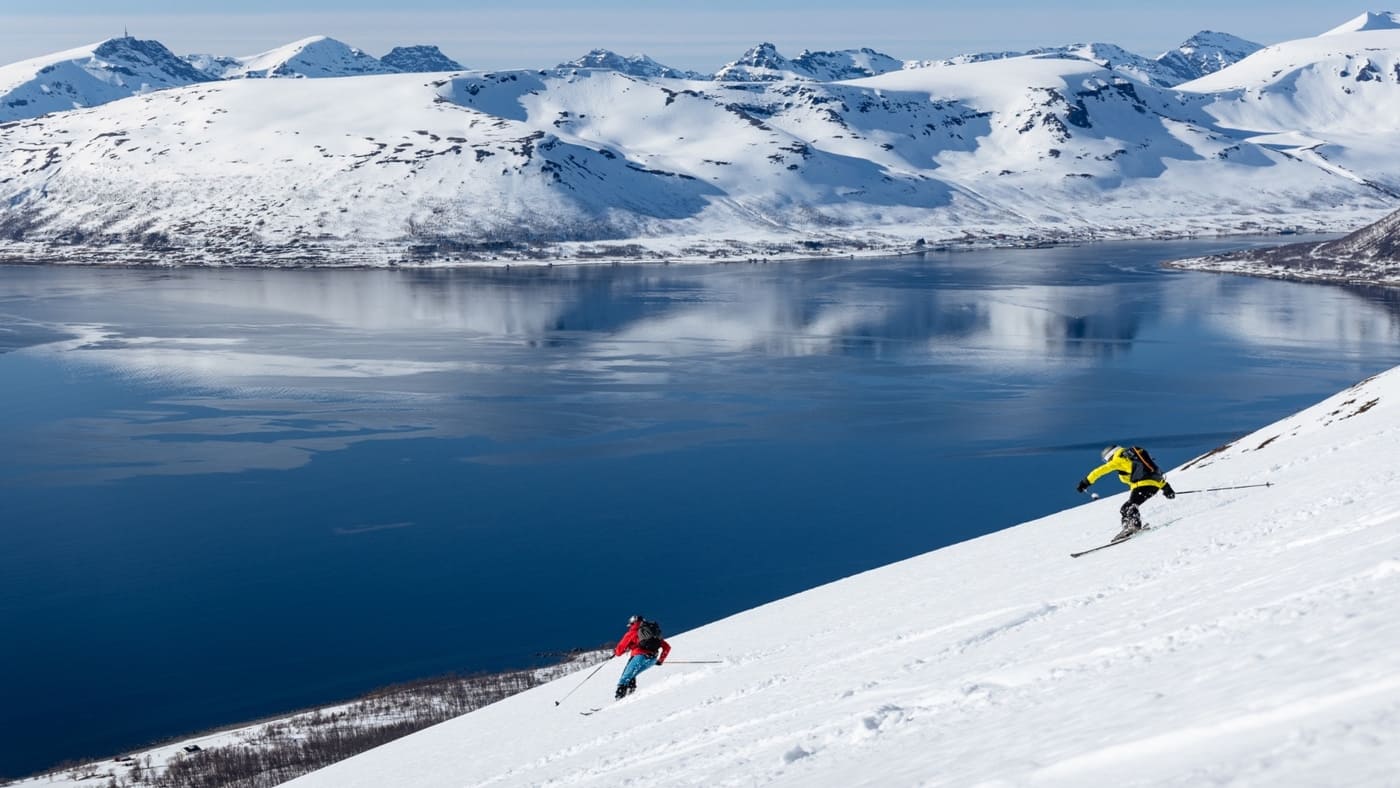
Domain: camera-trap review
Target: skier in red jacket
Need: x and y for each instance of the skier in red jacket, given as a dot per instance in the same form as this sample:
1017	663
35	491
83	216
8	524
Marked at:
644	640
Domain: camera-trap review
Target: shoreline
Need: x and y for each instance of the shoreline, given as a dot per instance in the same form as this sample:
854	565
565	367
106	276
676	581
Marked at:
378	716
857	242
398	256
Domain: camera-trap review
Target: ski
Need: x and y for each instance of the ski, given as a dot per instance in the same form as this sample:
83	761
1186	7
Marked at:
1100	547
1110	544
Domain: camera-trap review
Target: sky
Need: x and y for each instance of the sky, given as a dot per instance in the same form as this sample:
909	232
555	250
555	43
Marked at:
685	34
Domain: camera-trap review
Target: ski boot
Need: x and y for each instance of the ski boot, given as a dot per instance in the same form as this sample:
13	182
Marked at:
1132	523
631	686
621	692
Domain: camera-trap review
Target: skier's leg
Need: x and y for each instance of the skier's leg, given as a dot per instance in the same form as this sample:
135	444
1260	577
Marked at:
629	674
1129	514
635	665
628	680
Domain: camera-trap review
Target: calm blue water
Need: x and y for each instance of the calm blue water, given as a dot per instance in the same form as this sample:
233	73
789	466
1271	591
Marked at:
228	494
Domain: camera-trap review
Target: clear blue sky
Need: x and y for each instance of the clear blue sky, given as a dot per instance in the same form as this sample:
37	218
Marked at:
694	34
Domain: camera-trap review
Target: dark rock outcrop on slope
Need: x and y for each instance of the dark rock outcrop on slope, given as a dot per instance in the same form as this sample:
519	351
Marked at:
636	65
1370	255
1206	53
422	58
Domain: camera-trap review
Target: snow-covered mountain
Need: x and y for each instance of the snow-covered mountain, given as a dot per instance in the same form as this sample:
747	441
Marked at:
1247	638
1371	20
635	65
764	63
422	58
1206	53
1039	146
1135	66
1332	101
90	75
575	163
317	56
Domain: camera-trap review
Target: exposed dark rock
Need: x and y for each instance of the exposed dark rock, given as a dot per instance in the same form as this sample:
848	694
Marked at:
421	58
1370	255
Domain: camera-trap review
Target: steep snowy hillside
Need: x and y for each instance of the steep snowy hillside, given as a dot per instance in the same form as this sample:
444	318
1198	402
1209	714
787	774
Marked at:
1146	70
636	65
1247	638
1333	101
1206	53
317	56
422	58
89	76
1371	20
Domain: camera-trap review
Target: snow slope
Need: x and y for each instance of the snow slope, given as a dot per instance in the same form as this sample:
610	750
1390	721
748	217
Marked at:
314	57
1045	147
583	164
1204	53
1370	20
90	75
1249	638
1332	100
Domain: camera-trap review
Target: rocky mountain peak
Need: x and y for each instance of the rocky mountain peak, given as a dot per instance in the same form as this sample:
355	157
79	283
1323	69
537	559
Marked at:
423	58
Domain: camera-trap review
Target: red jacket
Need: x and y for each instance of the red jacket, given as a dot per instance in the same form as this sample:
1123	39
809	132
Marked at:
630	641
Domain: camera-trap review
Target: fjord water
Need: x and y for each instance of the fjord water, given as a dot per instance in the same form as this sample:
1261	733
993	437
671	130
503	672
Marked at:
233	493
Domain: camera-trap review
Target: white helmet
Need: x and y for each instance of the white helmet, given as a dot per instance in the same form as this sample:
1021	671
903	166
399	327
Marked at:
1109	452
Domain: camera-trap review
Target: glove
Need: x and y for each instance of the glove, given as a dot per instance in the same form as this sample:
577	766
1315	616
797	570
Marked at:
1083	485
1168	491
660	662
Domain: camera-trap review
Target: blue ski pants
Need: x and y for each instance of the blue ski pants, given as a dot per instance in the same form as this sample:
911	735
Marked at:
635	665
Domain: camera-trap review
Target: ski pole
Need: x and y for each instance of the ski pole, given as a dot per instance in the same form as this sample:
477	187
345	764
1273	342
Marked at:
693	661
581	683
1217	489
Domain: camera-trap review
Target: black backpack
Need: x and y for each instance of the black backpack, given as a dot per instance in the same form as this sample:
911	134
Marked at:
649	636
1149	465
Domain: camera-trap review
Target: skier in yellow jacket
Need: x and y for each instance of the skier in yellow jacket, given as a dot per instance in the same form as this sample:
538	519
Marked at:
1136	469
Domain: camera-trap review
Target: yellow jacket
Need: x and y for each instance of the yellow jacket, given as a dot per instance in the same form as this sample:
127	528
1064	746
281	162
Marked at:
1128	467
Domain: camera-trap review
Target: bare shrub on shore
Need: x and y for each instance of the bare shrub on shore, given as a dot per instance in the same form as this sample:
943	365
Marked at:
276	752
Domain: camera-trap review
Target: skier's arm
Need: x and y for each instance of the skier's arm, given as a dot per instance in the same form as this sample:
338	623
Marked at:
1106	468
628	641
665	649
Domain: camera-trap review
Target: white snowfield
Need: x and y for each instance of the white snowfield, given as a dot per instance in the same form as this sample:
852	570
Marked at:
1249	638
313	57
89	76
581	163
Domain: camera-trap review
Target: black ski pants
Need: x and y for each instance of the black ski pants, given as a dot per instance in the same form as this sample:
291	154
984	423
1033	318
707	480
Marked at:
1129	510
